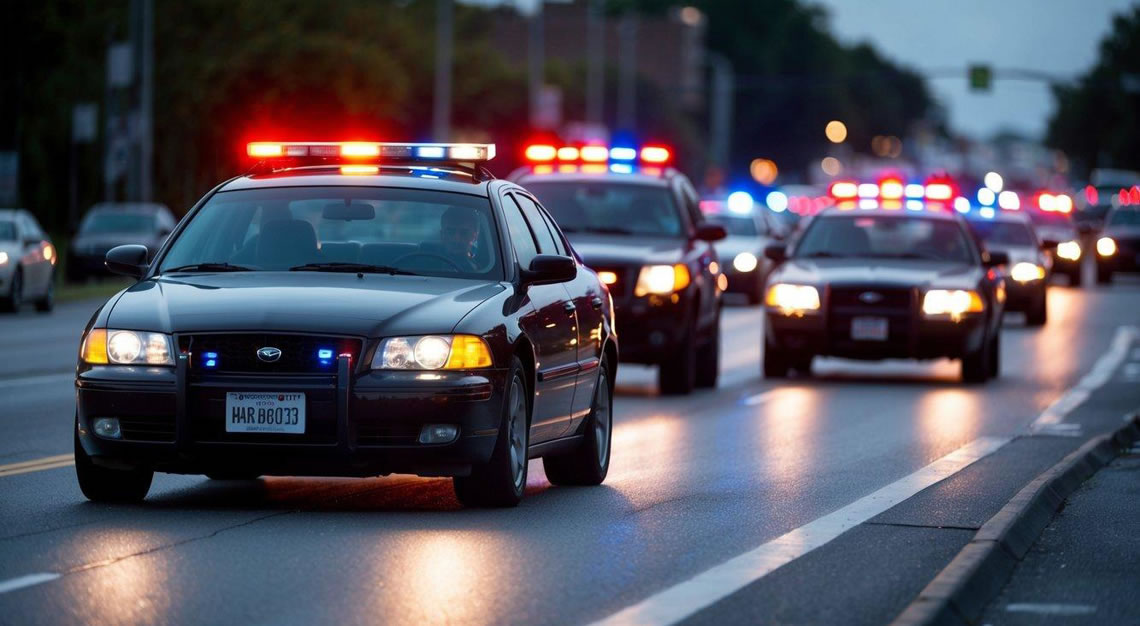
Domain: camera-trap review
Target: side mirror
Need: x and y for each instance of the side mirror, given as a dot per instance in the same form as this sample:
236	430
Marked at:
778	252
1049	244
128	260
546	269
995	258
711	232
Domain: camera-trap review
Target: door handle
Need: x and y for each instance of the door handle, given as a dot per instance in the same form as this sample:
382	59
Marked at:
596	302
569	308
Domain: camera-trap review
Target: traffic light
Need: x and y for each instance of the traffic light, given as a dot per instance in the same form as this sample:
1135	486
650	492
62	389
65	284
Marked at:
981	76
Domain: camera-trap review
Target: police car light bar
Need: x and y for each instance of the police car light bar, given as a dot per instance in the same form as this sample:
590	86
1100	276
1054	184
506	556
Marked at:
596	153
355	150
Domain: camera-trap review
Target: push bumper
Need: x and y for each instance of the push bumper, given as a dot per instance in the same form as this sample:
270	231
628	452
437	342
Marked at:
652	328
1024	296
915	337
357	423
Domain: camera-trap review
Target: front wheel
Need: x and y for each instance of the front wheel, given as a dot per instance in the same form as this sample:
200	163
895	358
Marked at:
1038	313
501	481
677	374
708	358
977	366
15	298
589	463
775	362
102	484
47	302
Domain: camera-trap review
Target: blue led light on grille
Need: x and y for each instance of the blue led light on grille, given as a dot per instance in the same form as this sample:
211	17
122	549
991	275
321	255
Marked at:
324	353
210	359
211	362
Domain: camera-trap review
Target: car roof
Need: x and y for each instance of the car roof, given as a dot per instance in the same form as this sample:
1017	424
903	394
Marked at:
455	180
943	215
527	175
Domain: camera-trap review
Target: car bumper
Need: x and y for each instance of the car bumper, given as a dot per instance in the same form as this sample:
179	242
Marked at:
914	337
743	282
362	424
652	328
1023	296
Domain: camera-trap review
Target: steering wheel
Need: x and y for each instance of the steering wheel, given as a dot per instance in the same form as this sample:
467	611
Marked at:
430	255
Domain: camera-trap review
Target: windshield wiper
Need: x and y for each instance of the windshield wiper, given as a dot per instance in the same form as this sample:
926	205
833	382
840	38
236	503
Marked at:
209	267
362	268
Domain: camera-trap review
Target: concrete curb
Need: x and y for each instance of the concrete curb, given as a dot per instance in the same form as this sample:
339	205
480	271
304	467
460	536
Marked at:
961	591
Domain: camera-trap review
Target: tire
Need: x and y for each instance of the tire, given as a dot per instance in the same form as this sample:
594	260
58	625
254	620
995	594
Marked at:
15	298
677	376
589	463
802	365
995	356
775	362
47	302
102	484
1038	313
1103	275
708	358
1075	278
976	366
501	481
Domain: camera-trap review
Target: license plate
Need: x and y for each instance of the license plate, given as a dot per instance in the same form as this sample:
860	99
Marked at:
265	412
869	329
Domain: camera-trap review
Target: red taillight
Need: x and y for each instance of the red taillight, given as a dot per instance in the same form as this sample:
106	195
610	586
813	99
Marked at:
844	189
262	149
655	154
540	152
1091	195
1134	194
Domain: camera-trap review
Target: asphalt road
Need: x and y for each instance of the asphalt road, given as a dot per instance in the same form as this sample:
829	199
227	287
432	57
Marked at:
834	498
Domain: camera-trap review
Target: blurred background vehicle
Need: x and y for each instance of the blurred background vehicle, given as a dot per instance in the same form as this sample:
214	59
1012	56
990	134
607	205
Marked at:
635	220
1011	232
751	227
107	225
27	262
1057	226
1118	243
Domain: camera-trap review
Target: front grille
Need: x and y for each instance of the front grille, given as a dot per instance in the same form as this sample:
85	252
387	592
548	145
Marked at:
883	299
147	428
237	352
895	304
206	408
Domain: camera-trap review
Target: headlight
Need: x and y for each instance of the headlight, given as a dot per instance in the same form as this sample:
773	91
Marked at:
793	299
126	347
1069	250
1105	246
661	280
1026	272
3	258
954	303
744	262
432	352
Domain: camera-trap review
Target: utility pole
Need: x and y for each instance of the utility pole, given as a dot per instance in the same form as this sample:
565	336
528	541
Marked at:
627	73
536	62
146	113
720	110
595	61
444	36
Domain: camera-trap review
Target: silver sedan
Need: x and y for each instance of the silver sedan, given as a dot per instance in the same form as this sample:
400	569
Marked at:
27	262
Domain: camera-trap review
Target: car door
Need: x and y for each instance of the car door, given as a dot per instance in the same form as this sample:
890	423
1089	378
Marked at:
589	298
37	268
550	323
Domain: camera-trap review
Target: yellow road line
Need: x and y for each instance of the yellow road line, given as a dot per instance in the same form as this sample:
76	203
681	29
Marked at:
46	463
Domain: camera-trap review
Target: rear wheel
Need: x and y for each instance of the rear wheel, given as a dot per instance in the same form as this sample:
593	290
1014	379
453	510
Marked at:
775	362
589	463
102	484
501	481
677	375
708	358
1037	314
15	298
995	356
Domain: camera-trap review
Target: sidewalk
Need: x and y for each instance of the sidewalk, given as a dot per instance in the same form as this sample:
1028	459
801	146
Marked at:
1085	567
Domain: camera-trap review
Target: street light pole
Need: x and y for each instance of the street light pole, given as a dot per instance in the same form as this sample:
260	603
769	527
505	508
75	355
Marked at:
441	109
146	121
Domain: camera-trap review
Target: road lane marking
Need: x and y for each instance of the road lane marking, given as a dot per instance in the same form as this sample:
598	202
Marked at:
759	398
686	598
29	580
37	380
46	463
1050	609
1099	375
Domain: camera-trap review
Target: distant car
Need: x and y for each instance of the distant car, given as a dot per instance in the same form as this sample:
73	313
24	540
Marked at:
1118	244
640	227
107	225
1059	230
878	284
27	262
352	309
1029	266
750	230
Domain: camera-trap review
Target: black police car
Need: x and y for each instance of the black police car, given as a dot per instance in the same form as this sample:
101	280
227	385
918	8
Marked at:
1118	244
1029	268
881	283
352	309
638	224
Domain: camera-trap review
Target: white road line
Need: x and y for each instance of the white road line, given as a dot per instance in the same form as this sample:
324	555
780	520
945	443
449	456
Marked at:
688	597
1050	609
1099	375
759	398
37	380
30	580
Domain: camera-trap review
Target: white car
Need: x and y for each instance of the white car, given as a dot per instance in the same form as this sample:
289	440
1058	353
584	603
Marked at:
27	262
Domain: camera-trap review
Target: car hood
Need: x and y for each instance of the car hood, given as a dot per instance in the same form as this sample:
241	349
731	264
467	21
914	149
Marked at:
318	302
624	250
898	272
728	248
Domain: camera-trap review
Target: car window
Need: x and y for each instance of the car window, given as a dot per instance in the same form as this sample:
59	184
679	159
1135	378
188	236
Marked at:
7	230
611	207
904	237
114	222
1007	233
542	232
521	237
425	232
1119	218
559	238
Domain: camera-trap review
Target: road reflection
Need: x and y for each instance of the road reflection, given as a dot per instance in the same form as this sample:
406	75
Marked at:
949	416
443	577
133	590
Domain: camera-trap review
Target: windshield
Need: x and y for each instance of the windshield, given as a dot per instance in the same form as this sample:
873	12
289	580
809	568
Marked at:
903	237
416	231
610	207
1130	218
735	225
1003	233
107	222
7	231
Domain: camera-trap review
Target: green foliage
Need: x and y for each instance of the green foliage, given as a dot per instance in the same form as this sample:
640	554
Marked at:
1097	121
